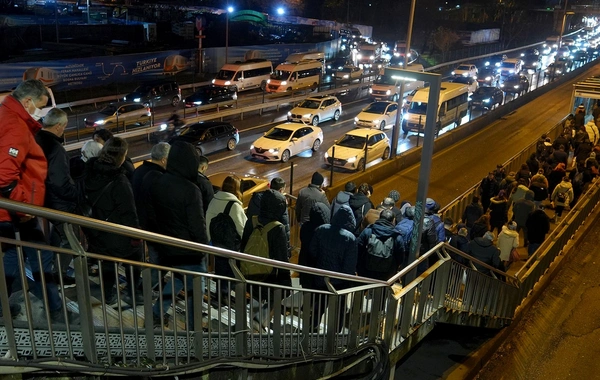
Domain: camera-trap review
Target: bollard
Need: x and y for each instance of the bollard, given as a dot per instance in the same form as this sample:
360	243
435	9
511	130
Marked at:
331	171
366	152
291	177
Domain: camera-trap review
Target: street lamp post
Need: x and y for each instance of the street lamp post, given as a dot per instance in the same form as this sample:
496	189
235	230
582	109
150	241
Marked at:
229	10
564	22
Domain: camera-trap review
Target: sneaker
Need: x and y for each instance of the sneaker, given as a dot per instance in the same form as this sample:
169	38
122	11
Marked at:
57	316
139	299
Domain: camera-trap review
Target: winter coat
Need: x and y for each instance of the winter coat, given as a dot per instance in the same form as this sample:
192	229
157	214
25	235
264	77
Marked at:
405	228
360	204
218	204
489	188
272	207
555	177
520	193
319	215
306	198
333	247
560	156
567	189
478	230
540	180
507	183
137	181
370	217
23	165
498	211
206	189
524	174
561	140
484	250
178	205
592	131
507	240
538	225
254	209
582	152
383	230
540	192
342	198
532	163
521	210
113	204
472	212
61	191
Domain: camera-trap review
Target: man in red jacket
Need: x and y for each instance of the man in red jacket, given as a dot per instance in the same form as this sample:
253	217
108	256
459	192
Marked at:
23	170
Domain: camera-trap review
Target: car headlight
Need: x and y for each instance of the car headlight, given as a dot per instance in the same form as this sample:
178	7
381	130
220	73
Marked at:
511	71
535	63
375	122
351	159
502	85
274	150
268	81
388	92
326	155
198	103
100	122
516	86
124	98
370	91
213	81
137	100
487	63
453	73
284	83
307	115
372	57
465	74
359	56
558	71
486	100
227	83
346	76
289	113
356	119
488	78
163	127
251	147
328	67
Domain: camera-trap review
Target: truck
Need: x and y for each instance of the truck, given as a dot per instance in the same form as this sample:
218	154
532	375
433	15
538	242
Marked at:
387	85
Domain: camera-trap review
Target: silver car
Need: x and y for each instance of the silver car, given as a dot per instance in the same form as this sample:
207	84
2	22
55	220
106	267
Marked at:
122	113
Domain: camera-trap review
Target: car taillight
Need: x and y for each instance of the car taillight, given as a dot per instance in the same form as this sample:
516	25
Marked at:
237	131
148	109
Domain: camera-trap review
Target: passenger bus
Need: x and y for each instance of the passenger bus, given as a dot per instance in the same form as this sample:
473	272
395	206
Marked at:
295	76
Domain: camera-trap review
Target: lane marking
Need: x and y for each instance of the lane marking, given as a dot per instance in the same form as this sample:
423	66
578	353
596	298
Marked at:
226	158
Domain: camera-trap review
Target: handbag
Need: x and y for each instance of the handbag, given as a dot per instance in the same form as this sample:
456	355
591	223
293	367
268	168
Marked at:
514	256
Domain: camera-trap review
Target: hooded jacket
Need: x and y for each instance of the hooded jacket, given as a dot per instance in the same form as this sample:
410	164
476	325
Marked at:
61	191
498	211
521	210
139	190
319	215
23	166
206	189
333	247
484	250
272	207
520	192
472	213
567	189
178	206
306	198
360	204
592	131
342	198
383	230
113	204
538	225
507	240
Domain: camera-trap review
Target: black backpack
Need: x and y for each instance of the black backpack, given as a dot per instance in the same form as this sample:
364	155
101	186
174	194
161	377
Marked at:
223	232
380	254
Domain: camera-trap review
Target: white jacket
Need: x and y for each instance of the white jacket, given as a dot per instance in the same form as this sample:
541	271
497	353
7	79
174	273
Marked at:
507	240
592	131
218	204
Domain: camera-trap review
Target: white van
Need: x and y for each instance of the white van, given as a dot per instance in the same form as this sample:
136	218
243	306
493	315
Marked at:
51	101
294	76
452	107
241	76
299	57
387	85
510	66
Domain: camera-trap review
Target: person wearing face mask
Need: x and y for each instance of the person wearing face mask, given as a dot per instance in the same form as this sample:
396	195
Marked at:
23	171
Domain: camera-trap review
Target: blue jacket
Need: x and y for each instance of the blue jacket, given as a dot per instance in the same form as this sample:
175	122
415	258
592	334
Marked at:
383	230
405	228
333	247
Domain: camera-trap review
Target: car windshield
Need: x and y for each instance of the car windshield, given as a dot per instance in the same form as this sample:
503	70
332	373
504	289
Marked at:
507	65
206	91
143	89
464	80
485	91
281	75
350	141
512	78
463	67
309	103
111	109
190	130
419	108
225	75
279	134
346	70
377	107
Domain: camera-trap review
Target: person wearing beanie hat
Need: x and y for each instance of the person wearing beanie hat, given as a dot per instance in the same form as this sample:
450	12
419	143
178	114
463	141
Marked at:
308	196
395	196
508	239
483	249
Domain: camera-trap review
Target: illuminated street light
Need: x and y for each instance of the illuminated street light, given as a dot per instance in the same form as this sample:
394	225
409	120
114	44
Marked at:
229	10
280	11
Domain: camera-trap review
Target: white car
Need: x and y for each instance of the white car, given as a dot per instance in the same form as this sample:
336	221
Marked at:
466	70
286	140
377	115
316	109
349	73
349	151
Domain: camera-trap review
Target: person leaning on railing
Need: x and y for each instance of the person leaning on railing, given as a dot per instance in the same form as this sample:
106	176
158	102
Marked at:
23	171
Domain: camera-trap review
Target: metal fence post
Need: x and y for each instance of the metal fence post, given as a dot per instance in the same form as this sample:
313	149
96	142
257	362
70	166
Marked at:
332	160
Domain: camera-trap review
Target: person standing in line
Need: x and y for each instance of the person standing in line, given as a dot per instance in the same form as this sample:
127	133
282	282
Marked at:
360	204
562	197
538	225
310	195
498	212
472	213
343	197
204	184
508	239
320	214
23	171
62	193
101	136
521	210
488	189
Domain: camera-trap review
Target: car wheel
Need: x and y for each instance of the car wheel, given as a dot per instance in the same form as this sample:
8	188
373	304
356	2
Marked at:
144	122
336	115
315	121
263	86
231	144
316	145
199	150
386	153
175	101
382	125
285	156
289	89
361	165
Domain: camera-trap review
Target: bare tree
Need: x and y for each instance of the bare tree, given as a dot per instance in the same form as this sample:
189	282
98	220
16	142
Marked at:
444	39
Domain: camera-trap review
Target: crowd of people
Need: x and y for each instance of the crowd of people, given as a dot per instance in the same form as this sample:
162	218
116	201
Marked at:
170	194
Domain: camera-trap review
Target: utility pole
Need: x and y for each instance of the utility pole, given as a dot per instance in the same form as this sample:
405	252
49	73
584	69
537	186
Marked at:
199	37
